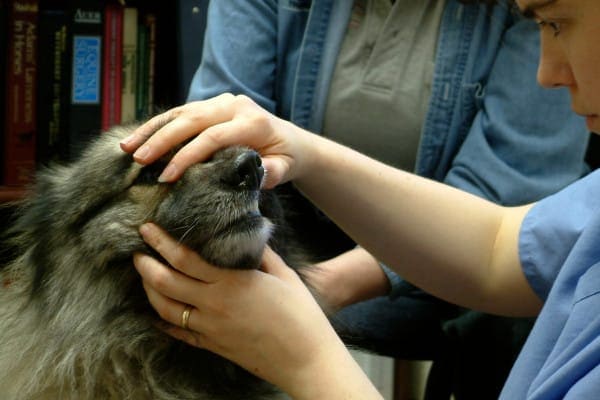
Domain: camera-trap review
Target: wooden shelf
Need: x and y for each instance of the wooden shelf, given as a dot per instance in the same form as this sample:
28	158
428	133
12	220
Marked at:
11	193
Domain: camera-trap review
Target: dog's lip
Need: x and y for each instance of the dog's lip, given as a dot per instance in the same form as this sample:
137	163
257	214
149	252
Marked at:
252	220
252	214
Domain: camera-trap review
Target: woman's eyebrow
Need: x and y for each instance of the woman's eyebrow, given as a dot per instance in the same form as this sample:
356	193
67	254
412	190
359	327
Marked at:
529	10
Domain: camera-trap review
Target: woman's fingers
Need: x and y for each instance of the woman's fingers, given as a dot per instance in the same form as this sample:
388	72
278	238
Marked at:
178	255
181	301
211	125
165	280
203	145
190	337
173	133
164	131
273	264
143	132
242	315
161	133
178	325
169	309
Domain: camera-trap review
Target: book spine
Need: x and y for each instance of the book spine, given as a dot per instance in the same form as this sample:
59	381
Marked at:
150	20
21	77
85	111
191	24
52	93
141	87
128	84
3	76
113	65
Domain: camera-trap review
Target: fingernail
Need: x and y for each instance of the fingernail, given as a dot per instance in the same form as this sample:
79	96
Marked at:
145	229
127	140
142	153
137	257
140	261
168	174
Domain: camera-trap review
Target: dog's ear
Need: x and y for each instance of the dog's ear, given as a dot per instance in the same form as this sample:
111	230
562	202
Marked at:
68	194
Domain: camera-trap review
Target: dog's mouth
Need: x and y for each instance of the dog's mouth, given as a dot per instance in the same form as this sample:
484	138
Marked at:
235	240
248	223
240	243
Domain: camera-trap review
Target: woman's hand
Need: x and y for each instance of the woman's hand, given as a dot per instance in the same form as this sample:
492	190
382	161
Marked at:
349	278
264	320
213	124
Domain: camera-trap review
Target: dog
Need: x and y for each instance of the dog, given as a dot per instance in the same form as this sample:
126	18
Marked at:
74	319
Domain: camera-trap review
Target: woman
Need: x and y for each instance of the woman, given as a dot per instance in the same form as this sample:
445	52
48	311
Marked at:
442	88
540	258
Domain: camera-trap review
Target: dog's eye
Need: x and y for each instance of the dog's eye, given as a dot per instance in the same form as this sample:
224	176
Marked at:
149	174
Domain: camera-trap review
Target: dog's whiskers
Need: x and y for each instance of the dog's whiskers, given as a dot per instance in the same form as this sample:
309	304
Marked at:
193	225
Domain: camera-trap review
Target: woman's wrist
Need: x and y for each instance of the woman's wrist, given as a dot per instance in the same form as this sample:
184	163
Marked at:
349	278
333	374
306	157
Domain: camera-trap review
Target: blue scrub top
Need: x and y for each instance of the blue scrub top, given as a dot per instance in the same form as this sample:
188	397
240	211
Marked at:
559	248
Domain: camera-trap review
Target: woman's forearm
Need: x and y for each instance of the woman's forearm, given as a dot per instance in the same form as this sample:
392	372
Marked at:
335	375
450	247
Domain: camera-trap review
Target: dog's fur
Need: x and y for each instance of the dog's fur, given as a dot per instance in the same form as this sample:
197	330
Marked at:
74	320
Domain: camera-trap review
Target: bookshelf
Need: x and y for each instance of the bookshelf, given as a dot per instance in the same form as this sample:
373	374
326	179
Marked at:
8	193
178	33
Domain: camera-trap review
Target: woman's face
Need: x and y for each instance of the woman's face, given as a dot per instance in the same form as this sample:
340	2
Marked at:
570	51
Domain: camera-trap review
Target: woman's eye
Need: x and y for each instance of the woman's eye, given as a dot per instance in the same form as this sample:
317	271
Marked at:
149	174
555	26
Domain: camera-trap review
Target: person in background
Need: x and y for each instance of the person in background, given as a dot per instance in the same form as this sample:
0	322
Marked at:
443	88
541	258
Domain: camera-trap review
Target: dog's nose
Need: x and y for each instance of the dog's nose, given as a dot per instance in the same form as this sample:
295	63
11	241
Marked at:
249	170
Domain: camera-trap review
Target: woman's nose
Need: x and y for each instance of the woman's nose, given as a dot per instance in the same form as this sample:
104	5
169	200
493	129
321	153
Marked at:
553	70
553	75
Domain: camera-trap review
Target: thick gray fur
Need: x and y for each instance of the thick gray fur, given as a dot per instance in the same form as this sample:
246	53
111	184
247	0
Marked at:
74	321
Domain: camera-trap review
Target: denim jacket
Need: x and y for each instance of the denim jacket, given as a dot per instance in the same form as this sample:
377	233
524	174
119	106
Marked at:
490	129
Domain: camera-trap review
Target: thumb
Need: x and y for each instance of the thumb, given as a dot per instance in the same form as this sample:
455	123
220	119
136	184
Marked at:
276	170
273	264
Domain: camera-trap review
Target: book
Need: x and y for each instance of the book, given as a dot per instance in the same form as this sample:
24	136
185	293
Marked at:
21	80
150	21
85	55
129	76
112	65
191	15
146	57
3	63
142	68
53	76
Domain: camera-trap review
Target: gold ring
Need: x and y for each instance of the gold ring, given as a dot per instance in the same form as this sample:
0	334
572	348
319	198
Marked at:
185	316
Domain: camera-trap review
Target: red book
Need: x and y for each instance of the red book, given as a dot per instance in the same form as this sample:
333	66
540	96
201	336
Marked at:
113	65
21	78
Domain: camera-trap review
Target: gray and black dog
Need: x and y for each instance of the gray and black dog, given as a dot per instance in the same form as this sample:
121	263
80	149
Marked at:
74	320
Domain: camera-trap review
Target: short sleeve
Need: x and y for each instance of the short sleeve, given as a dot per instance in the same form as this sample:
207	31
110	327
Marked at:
551	229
